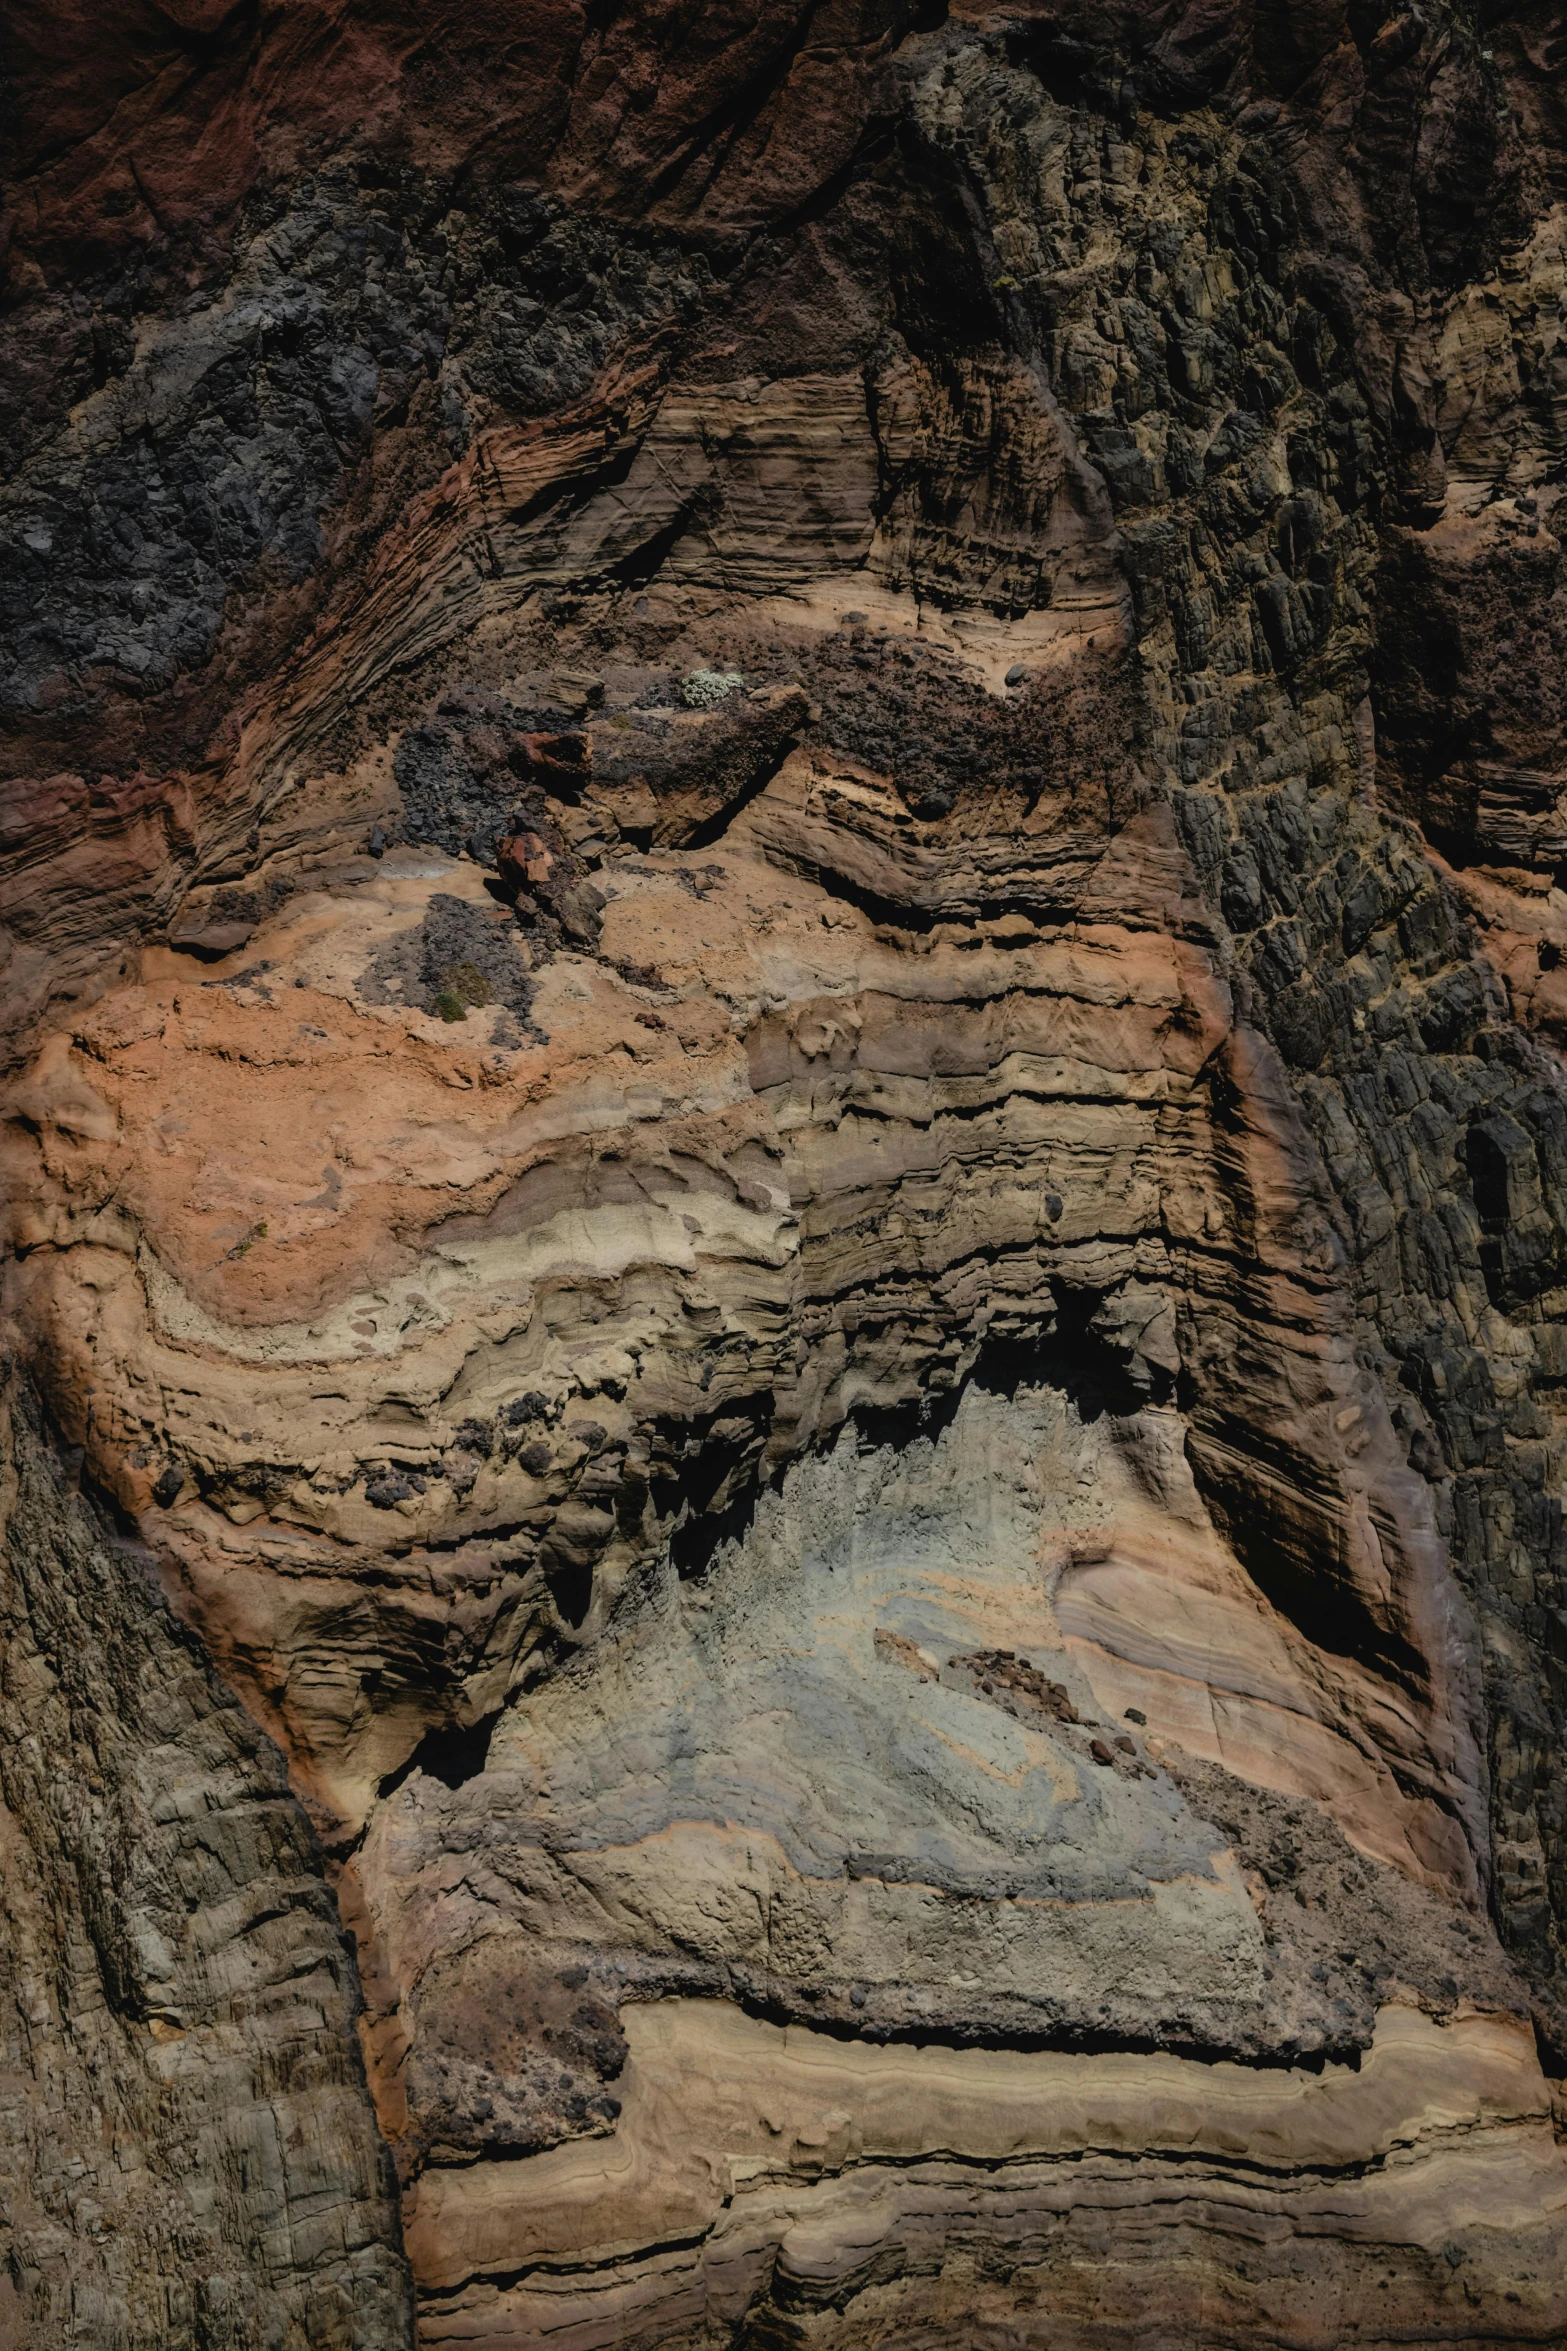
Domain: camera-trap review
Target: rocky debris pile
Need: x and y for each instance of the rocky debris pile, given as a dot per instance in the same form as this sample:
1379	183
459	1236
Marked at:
458	959
460	772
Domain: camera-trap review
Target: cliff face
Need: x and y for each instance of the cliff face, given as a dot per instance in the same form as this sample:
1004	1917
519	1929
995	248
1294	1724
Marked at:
786	1124
189	2152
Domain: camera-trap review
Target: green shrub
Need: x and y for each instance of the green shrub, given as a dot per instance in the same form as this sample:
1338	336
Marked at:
462	985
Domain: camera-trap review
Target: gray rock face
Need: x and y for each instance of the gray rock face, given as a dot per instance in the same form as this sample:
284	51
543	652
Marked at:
188	2155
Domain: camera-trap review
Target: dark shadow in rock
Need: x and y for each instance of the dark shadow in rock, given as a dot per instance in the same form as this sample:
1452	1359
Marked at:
446	1754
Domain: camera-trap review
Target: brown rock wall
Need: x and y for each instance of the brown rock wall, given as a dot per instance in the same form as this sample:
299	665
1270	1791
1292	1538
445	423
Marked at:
784	1105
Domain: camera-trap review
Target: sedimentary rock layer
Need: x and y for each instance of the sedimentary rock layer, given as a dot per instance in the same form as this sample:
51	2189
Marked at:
785	1109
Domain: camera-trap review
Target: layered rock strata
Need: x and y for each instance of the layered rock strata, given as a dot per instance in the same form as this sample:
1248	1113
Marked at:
786	1111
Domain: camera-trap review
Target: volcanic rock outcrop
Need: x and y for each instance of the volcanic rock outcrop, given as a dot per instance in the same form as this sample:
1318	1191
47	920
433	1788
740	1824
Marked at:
788	1177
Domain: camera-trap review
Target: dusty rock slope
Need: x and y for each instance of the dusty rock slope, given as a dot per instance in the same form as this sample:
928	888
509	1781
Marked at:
787	1174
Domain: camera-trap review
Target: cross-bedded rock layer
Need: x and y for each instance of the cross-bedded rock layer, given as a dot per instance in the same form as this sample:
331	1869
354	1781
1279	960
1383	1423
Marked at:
786	1110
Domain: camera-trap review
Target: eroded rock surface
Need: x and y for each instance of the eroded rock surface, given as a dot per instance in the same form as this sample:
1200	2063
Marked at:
190	2155
786	1109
